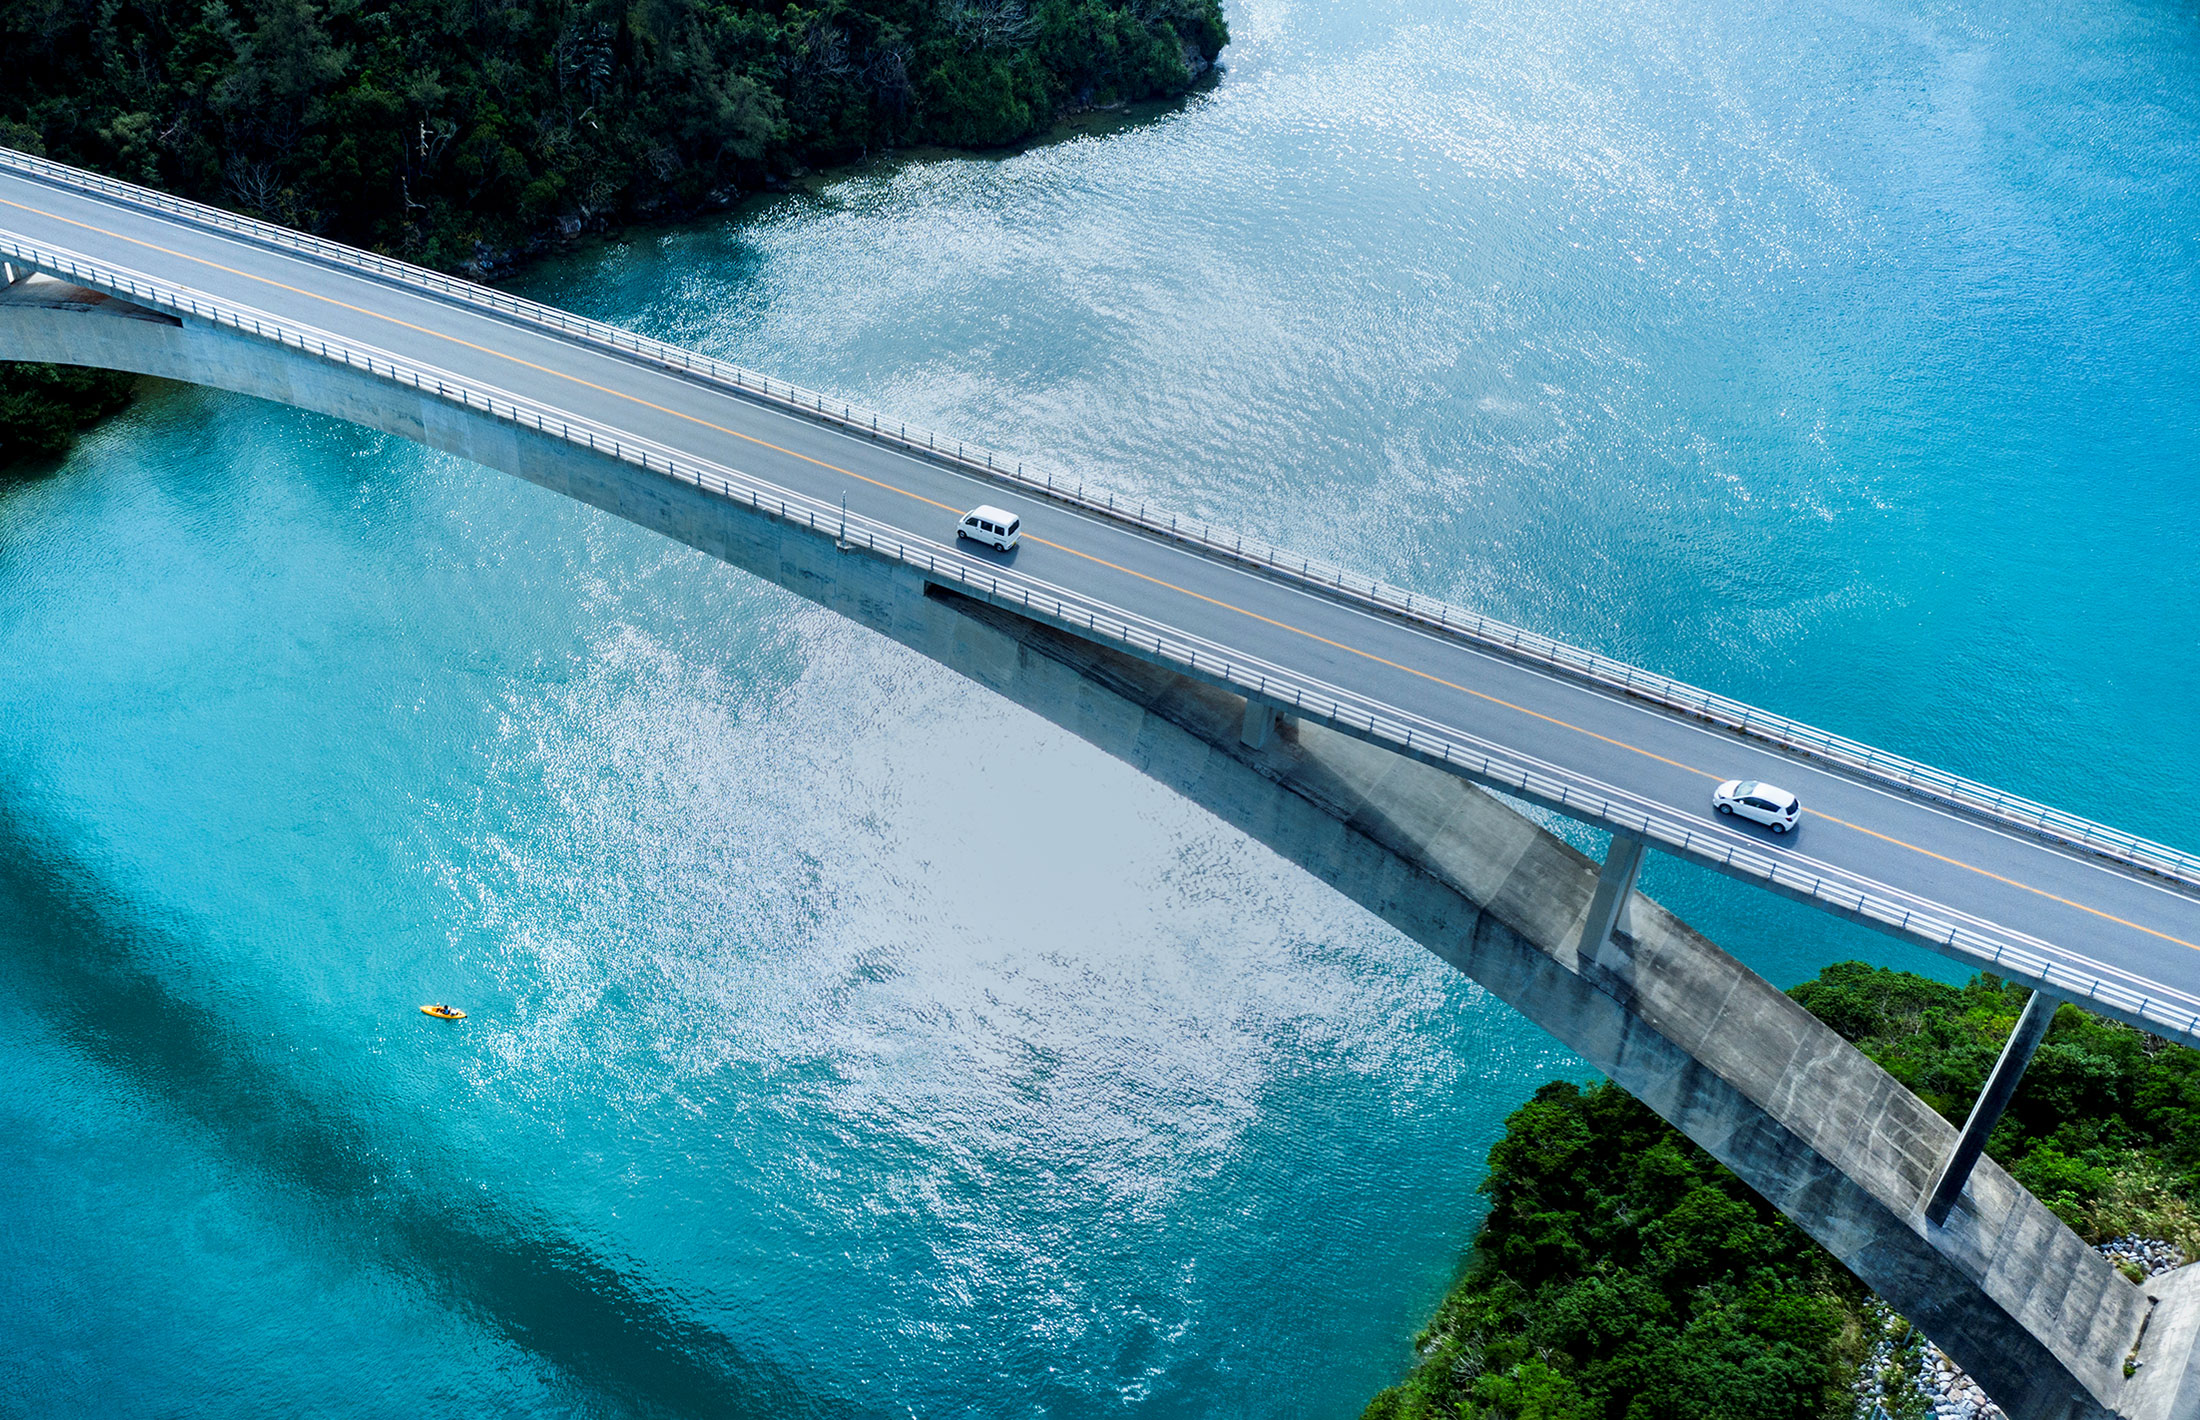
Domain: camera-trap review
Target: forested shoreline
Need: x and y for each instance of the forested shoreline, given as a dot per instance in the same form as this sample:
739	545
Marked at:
466	135
1623	1274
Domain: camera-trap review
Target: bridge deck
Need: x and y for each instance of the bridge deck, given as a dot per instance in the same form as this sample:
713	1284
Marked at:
2004	883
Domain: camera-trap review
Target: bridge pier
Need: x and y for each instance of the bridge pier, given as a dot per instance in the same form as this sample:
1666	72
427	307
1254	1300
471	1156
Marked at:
2016	1298
1609	904
1259	724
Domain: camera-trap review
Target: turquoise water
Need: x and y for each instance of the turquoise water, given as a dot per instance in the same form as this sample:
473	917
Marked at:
1839	360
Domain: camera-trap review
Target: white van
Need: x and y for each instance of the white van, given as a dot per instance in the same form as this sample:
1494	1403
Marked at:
986	523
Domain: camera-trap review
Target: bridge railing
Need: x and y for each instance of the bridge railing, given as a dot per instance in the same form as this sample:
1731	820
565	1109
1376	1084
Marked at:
1578	796
1432	613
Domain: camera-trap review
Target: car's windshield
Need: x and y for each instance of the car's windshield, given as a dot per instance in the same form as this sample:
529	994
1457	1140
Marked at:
1745	788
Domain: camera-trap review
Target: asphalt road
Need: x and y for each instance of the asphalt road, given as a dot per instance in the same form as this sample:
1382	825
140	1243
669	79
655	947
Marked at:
2123	926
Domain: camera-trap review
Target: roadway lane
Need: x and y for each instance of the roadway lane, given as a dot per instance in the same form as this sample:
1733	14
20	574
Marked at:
2142	932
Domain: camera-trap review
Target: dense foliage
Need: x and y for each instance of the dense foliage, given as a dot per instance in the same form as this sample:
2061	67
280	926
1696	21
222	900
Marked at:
43	406
1622	1274
452	131
2106	1126
459	132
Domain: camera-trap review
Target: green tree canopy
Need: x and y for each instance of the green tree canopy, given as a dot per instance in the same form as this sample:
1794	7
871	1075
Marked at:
455	132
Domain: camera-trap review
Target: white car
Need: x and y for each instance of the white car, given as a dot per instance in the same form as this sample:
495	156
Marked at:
986	523
1767	804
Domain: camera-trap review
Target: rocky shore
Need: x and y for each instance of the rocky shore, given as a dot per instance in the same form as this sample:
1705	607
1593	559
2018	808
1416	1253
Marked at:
1908	1378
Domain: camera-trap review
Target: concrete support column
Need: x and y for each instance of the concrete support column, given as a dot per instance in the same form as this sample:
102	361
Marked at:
1615	886
1260	724
1608	904
2000	1088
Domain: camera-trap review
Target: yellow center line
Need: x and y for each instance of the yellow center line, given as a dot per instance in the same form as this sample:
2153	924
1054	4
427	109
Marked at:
490	351
1621	744
1378	660
2012	882
494	353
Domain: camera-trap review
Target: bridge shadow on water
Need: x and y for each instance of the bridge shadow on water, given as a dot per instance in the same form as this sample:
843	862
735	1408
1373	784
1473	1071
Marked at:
602	1327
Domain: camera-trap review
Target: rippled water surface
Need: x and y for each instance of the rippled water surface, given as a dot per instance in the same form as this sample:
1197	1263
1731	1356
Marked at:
848	1043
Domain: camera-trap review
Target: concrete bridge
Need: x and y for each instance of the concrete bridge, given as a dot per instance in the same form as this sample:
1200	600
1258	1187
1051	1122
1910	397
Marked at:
1354	727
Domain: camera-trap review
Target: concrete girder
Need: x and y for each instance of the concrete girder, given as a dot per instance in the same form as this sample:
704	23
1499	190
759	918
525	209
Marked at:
2043	1321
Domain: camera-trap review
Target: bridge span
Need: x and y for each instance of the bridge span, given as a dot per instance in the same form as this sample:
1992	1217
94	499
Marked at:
1354	702
2016	887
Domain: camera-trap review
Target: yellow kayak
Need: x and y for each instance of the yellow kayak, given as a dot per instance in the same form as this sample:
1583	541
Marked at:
443	1013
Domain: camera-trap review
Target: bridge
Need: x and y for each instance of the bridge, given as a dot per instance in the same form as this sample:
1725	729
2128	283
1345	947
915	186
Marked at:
1355	727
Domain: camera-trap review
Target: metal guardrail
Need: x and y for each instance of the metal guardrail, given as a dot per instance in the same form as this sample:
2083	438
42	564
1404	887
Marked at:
1432	613
1577	796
